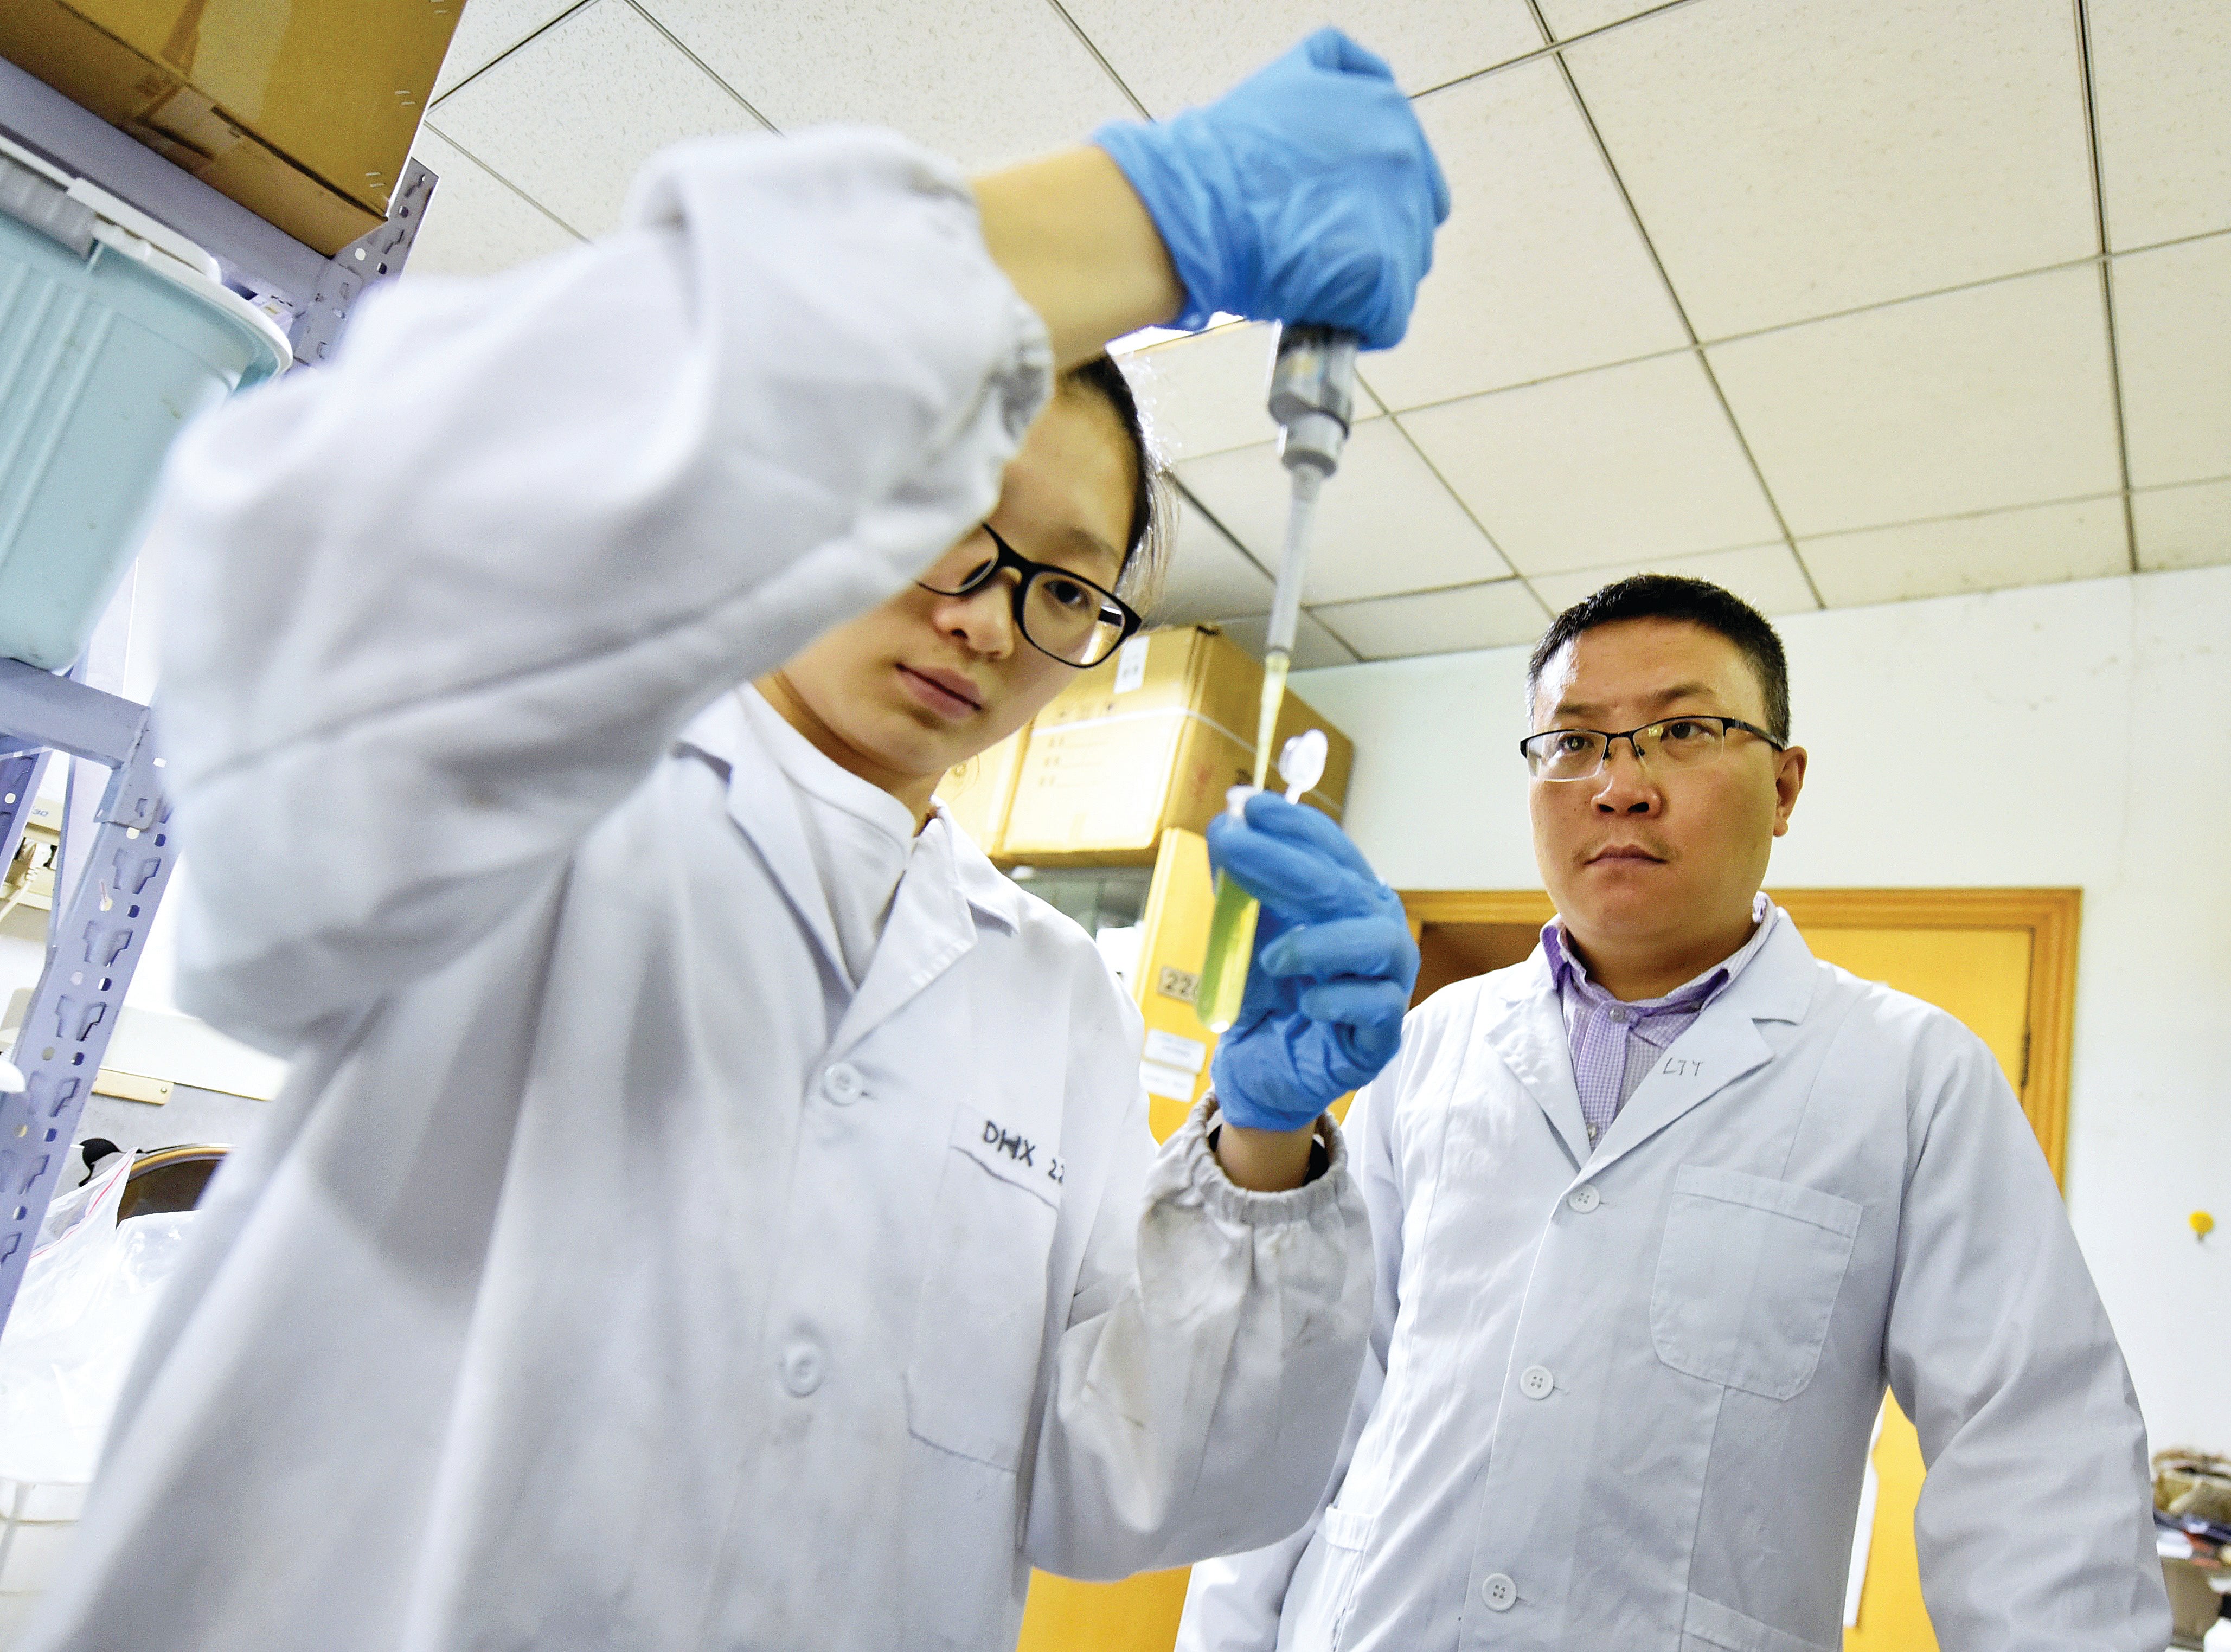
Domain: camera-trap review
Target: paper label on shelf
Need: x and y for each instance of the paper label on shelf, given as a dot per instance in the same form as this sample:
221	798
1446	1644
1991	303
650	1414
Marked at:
1173	1082
1131	665
1187	1055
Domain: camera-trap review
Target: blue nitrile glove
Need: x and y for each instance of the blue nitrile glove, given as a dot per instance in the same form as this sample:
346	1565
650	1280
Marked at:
1306	193
1334	966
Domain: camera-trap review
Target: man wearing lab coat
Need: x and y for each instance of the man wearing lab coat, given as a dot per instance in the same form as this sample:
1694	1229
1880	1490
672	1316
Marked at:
1659	1212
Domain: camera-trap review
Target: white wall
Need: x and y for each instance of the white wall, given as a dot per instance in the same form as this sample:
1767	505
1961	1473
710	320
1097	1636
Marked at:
2076	734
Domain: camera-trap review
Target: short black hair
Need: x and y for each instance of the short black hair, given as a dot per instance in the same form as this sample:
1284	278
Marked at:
1695	601
1145	556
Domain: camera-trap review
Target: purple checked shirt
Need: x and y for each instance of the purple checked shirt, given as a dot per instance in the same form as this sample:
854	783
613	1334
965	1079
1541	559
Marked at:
1614	1043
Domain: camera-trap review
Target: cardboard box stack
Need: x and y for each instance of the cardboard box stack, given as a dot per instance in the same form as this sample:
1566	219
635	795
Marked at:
302	112
1149	740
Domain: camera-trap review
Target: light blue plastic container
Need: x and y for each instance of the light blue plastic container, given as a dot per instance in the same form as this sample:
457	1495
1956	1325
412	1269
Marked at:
105	354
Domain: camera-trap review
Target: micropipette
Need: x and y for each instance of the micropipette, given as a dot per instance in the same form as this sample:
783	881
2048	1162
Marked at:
1312	392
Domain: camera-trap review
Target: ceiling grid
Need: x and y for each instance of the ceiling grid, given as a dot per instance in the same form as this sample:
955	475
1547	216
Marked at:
2083	20
1107	68
462	42
1572	87
1426	460
711	74
1556	48
514	189
1880	234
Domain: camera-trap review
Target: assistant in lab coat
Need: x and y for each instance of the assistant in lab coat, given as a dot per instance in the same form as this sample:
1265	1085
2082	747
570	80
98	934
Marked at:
705	1210
1623	1380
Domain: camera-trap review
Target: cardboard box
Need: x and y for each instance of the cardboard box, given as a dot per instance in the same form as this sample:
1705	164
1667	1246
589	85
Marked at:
303	112
976	793
1150	740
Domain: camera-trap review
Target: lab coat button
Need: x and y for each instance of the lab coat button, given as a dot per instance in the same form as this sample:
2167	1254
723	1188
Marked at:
843	1084
1584	1199
1499	1592
801	1368
1536	1382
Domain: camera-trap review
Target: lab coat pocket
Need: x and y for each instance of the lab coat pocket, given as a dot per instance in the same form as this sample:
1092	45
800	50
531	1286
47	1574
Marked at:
1707	1626
1325	1583
1747	1275
981	1323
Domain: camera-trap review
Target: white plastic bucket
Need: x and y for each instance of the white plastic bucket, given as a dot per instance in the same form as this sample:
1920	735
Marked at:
105	354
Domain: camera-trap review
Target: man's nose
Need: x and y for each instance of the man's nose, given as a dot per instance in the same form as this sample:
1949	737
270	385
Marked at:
1627	786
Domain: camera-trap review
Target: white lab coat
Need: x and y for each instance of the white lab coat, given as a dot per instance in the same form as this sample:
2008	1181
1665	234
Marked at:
1623	1400
613	1274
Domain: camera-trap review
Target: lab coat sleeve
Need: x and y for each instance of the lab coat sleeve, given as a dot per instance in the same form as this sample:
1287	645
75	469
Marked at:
1198	1393
2034	1524
437	608
1233	1602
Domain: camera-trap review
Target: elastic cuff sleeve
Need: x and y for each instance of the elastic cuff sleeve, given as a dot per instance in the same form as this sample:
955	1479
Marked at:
1188	1170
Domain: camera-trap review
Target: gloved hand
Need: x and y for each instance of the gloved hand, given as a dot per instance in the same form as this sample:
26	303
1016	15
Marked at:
1334	966
1306	193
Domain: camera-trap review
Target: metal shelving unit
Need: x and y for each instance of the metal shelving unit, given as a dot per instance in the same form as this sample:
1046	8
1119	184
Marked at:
309	292
98	927
98	931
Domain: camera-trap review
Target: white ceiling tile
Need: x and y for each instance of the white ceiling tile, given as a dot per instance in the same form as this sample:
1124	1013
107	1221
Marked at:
2173	340
1206	393
1636	461
475	225
2039	546
1810	155
1567	18
1969	401
569	116
1440	622
489	29
1384	523
1765	575
1210	578
1314	647
1539	269
994	81
2184	527
2159	70
1173	55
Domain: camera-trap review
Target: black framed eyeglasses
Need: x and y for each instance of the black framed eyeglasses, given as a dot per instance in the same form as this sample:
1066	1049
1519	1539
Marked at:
1061	614
1674	742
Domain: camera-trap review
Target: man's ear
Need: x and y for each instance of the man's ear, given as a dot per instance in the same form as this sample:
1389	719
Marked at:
1788	781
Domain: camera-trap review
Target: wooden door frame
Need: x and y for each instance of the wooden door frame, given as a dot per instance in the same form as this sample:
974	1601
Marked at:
2052	916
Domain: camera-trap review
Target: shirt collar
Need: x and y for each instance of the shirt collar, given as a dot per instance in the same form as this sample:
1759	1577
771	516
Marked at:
726	735
1572	976
814	772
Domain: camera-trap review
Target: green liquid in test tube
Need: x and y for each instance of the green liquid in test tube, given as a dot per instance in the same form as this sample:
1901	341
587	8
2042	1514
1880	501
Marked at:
1232	928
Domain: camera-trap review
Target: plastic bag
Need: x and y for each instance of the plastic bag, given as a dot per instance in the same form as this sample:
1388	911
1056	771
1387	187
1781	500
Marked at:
87	1293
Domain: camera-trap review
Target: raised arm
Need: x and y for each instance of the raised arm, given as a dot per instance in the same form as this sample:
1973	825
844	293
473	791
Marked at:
2034	1522
440	606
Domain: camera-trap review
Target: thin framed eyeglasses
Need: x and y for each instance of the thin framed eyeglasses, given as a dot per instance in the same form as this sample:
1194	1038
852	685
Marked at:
1673	742
1061	614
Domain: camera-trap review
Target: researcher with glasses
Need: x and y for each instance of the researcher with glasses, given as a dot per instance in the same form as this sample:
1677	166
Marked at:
710	1206
1659	1214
